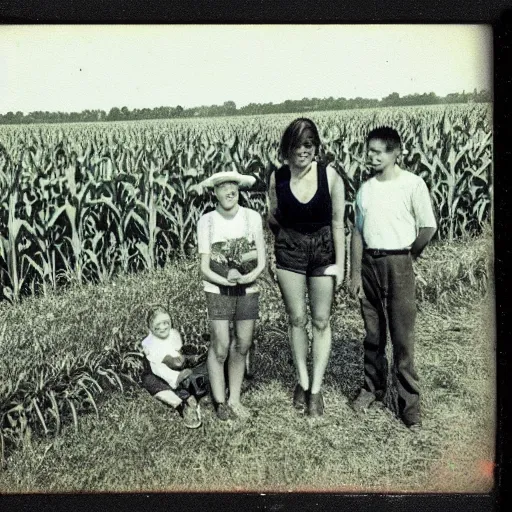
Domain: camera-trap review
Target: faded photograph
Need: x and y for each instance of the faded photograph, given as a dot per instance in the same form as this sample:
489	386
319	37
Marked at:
246	258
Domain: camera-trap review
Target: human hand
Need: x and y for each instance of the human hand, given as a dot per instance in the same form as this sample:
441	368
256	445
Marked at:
356	286
233	275
247	278
183	375
337	272
174	362
194	360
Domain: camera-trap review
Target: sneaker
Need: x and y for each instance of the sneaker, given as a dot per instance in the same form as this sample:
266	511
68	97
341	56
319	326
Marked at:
316	404
206	400
223	412
299	397
191	416
239	411
363	401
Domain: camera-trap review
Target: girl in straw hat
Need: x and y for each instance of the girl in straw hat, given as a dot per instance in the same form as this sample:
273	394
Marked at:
232	250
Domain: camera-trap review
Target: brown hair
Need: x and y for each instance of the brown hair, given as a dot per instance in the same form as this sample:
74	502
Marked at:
153	312
293	134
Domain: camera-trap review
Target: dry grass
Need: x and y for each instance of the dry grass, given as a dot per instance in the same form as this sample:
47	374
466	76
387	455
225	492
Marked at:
139	445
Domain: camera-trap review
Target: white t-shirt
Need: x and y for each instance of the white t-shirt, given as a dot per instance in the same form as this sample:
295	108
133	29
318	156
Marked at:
226	239
155	350
389	213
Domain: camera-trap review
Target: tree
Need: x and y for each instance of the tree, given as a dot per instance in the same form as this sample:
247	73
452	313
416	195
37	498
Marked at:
392	99
114	114
229	107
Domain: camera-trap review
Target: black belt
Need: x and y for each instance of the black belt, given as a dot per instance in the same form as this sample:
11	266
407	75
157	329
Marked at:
386	252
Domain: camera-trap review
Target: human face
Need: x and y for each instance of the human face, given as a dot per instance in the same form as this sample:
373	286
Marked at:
303	155
379	158
227	194
161	325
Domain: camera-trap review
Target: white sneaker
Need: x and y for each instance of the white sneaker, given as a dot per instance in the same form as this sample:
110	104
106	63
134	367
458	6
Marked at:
191	416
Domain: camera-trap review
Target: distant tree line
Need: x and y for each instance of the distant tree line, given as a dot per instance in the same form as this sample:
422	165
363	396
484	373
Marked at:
229	108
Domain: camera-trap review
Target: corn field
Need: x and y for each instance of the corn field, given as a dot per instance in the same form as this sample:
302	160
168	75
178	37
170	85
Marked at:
80	203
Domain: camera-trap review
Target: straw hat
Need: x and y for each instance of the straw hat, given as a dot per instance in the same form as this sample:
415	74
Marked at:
243	180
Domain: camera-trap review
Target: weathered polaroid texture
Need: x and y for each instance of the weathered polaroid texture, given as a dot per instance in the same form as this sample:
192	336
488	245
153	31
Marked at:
106	133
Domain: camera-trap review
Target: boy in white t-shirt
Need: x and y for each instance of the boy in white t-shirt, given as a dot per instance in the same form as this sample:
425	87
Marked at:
232	250
164	375
394	223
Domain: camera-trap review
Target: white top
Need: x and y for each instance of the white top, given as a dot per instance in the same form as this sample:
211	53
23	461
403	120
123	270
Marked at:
225	239
389	213
155	350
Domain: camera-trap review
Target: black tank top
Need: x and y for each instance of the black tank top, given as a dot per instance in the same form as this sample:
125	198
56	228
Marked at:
303	217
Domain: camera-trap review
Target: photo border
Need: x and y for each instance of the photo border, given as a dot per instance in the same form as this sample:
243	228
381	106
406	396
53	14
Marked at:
276	12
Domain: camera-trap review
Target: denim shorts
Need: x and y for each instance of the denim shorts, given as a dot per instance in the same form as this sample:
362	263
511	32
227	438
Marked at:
233	307
305	253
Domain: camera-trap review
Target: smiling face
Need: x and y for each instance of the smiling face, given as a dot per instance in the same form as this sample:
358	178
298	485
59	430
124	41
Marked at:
161	325
302	155
227	195
379	157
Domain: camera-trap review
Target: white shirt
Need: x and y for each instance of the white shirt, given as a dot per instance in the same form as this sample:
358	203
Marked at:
220	237
155	350
389	213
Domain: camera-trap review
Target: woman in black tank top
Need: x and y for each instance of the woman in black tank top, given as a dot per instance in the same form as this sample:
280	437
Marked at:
307	204
303	217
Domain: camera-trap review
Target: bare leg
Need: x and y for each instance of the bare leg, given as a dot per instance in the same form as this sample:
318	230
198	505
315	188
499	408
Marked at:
293	291
168	397
321	291
237	356
217	354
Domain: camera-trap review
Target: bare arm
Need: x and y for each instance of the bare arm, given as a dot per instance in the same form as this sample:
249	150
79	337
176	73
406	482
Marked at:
423	238
174	362
272	205
259	241
425	217
338	224
356	253
356	257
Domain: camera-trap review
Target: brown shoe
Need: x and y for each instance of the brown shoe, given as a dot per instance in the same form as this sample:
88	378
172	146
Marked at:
363	401
223	412
316	404
300	397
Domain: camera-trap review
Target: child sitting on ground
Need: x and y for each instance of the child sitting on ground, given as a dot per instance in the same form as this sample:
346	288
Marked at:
166	376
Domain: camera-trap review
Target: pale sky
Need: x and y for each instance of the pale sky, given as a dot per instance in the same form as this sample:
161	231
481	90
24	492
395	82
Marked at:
73	68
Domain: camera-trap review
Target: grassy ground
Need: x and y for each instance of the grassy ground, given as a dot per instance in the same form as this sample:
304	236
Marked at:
137	444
